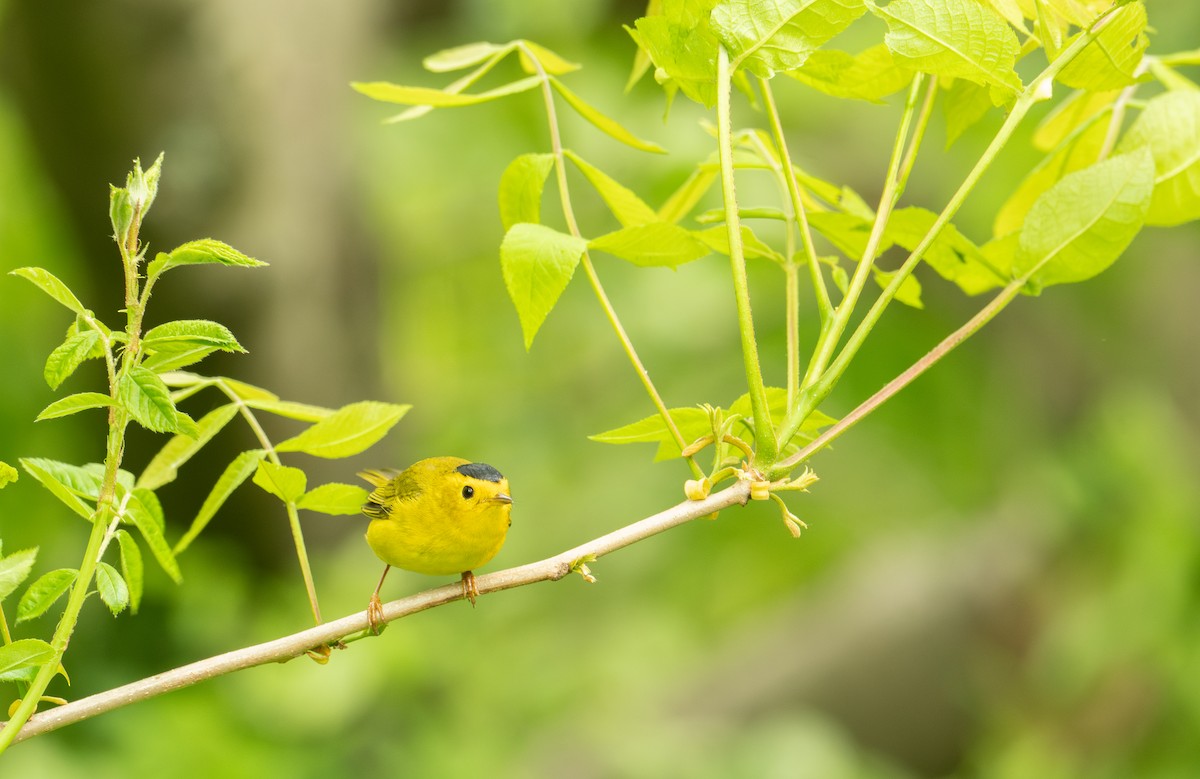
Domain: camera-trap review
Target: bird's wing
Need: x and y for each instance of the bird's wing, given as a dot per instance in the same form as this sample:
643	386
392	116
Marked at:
391	487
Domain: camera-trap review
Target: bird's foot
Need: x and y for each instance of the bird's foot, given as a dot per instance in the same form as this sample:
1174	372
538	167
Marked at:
470	590
375	614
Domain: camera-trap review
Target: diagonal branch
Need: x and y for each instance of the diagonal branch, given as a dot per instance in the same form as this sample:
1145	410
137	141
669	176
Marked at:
356	625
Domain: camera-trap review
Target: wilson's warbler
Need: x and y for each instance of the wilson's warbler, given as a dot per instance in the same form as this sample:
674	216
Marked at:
439	516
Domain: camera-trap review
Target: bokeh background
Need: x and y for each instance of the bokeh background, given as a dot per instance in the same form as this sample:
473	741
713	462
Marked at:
1002	572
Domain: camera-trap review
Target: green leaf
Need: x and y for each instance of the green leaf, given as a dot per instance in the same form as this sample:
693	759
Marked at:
551	63
348	431
334	499
14	569
120	213
8	474
461	57
55	477
292	410
190	333
131	567
537	263
521	187
848	232
145	513
1079	227
1112	59
692	423
717	239
952	255
690	192
956	38
205	251
603	123
870	75
683	48
765	37
43	593
166	359
777	408
964	105
386	92
282	481
654	244
164	467
72	404
49	283
1078	110
1170	127
146	397
68	356
21	654
235	473
627	207
244	391
112	588
909	291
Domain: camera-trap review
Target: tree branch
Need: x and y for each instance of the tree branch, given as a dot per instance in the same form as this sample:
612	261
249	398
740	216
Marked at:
331	633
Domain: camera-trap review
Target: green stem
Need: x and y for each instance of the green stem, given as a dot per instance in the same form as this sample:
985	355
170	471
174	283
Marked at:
564	194
764	434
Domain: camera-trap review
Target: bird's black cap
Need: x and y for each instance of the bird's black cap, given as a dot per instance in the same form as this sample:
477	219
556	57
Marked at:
481	471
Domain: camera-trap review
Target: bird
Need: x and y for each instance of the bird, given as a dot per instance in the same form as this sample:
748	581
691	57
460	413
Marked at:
439	516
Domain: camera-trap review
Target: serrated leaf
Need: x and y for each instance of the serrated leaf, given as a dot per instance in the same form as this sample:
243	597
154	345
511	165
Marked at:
909	291
112	588
132	568
521	187
651	245
14	569
43	593
73	404
848	232
282	481
50	284
1170	127
144	395
387	92
1079	227
537	263
690	192
627	207
460	57
955	38
68	356
205	251
164	467
765	37
303	412
144	512
954	256
348	431
191	332
21	654
604	124
692	423
717	239
51	475
1111	60
234	474
8	474
551	62
870	75
167	359
683	48
334	498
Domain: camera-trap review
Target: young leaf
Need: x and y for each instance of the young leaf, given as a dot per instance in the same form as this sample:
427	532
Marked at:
145	513
848	232
768	37
334	499
909	291
683	48
51	475
690	192
692	423
292	410
954	256
44	591
72	404
68	356
164	467
460	57
654	244
112	588
602	123
1079	227
1170	127
235	473
166	359
1111	60
1078	110
870	75
964	105
282	481
386	92
537	263
205	251
49	283
120	213
717	239
8	474
627	207
550	62
14	569
23	654
131	567
521	187
956	38
184	333
144	395
347	431
243	391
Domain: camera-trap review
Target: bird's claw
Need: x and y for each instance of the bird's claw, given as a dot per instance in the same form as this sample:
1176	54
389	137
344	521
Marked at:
470	590
375	614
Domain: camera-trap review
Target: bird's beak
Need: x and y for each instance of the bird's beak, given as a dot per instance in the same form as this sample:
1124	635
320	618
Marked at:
502	498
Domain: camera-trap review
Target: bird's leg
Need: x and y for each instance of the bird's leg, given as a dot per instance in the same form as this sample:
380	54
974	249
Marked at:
470	591
375	607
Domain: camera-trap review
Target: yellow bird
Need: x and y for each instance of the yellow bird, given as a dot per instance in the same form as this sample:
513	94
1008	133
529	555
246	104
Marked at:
439	516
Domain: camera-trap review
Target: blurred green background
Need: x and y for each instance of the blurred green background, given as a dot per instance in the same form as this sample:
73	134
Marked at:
1002	572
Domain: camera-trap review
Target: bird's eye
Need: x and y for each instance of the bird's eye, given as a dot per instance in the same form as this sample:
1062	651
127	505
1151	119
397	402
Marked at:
468	492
